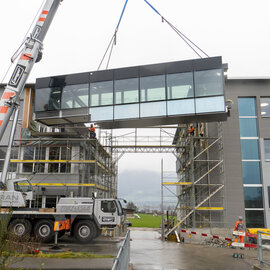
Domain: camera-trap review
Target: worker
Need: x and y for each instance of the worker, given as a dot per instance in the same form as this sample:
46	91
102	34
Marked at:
92	132
239	226
191	130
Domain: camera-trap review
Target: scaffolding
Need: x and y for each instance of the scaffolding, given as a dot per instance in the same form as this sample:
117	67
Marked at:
65	163
61	165
131	141
200	177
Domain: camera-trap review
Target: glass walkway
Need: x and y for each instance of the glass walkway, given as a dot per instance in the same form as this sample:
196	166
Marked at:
158	94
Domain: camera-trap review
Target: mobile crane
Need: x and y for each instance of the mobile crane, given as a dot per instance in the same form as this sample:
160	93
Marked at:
83	217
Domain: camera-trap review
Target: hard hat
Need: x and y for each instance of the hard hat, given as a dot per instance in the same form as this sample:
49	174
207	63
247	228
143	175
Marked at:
240	218
190	125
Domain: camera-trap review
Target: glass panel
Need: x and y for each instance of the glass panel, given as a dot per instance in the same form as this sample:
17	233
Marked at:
152	88
40	154
108	206
180	85
247	107
14	152
54	154
101	93
254	219
265	107
253	197
75	96
3	151
126	91
101	113
251	172
250	149
14	155
185	106
23	186
65	155
126	111
208	83
28	154
41	99
248	127
267	149
50	201
210	104
2	157
48	99
153	109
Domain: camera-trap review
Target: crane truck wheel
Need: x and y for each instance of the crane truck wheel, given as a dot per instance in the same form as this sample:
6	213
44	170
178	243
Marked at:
84	231
21	228
43	230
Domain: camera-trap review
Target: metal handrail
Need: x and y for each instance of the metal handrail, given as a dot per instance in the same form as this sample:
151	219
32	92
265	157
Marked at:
260	247
121	261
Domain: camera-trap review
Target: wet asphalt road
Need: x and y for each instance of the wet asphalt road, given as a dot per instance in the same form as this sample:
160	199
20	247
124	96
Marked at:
149	252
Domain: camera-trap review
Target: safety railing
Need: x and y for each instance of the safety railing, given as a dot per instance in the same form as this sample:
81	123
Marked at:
121	261
260	236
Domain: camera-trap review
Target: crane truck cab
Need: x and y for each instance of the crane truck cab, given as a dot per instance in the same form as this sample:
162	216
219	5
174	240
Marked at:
105	212
17	193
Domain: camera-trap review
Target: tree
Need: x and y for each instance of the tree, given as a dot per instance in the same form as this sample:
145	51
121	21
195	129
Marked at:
131	205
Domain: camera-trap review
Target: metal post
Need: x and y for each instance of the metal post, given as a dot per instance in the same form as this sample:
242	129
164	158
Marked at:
10	142
56	238
259	246
162	207
136	137
193	201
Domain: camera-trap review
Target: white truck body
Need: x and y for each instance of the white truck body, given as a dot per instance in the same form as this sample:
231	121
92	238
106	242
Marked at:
82	217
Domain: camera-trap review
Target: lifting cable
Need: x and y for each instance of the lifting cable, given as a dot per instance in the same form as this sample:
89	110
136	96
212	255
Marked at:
20	48
113	39
191	44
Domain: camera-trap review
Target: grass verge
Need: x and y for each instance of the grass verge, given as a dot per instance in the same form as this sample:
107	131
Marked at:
66	255
147	221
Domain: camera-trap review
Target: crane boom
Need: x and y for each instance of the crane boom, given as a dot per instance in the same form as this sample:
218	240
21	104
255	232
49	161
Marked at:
30	55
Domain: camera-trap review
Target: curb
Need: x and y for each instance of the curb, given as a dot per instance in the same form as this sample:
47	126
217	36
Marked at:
260	267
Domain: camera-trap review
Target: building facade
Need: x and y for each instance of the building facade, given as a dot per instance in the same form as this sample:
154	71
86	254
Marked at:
246	151
228	162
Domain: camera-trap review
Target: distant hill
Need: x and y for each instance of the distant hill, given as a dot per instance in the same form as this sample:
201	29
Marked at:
142	187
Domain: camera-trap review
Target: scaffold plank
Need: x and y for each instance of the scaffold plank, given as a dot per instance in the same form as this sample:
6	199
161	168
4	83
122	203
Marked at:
211	208
176	183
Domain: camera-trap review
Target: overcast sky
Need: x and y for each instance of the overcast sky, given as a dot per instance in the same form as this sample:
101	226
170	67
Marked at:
237	30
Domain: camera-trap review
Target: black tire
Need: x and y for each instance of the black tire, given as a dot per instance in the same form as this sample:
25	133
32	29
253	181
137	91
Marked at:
84	231
20	228
43	230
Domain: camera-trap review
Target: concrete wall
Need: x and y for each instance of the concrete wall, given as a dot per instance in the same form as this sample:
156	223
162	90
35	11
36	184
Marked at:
234	193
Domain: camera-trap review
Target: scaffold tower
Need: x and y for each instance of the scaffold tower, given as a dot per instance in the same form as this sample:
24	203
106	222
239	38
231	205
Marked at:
200	177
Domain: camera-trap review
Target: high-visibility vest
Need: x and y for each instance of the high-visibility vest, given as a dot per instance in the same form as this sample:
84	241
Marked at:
239	225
